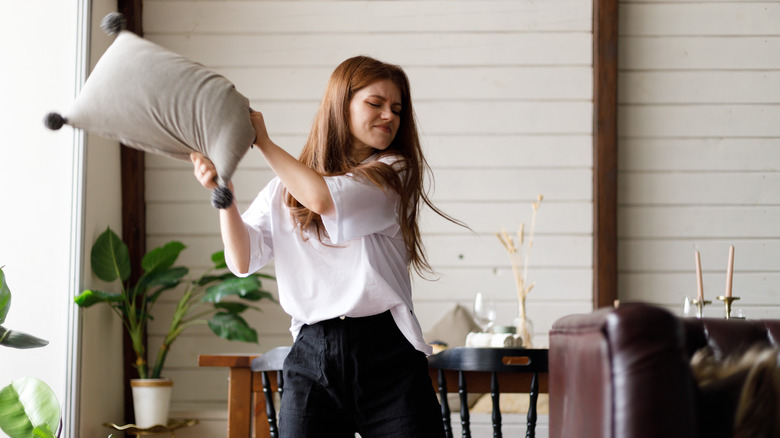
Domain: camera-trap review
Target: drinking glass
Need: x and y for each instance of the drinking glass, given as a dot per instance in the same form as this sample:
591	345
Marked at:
484	311
687	307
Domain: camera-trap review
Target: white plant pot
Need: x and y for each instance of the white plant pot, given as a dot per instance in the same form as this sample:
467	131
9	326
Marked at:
151	401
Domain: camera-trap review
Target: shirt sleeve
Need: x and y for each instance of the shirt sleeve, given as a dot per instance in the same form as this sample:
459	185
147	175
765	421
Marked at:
361	209
257	220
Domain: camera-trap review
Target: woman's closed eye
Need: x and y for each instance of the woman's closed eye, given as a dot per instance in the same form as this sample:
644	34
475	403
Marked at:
378	105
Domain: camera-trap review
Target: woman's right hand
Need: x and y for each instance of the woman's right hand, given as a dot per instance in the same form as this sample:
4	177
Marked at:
234	233
204	171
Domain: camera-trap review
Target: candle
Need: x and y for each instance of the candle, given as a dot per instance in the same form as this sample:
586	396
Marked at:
699	284
730	271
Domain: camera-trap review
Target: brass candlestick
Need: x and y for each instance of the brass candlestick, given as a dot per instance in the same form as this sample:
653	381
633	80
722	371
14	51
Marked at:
727	302
700	306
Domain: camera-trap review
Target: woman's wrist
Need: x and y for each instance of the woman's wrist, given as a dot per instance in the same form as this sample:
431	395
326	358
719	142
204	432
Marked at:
263	143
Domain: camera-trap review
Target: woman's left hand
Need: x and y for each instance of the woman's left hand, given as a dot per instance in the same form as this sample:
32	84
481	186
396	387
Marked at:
261	132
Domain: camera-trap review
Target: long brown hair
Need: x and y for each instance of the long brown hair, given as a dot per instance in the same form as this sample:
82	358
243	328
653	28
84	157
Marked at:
329	148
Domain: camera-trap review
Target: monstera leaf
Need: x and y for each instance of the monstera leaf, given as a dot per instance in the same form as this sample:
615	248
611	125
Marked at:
12	338
5	297
110	257
29	408
233	327
21	340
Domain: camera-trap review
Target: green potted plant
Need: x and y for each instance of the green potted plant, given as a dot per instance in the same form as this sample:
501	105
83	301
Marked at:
28	406
216	298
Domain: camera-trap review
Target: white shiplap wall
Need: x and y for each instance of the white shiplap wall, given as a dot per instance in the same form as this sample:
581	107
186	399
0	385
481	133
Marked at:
699	151
503	94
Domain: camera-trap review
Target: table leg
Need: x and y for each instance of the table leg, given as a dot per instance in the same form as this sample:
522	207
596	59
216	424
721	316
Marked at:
239	402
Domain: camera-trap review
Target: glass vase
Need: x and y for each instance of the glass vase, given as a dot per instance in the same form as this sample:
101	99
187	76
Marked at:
525	328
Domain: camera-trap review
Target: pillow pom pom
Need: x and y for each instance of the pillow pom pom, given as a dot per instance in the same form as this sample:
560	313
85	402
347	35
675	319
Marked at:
221	197
53	121
113	23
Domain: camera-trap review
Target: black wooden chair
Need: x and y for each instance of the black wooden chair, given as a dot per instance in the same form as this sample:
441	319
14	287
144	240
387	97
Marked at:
494	370
269	362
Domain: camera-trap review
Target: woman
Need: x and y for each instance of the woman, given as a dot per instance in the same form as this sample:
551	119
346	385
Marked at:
341	225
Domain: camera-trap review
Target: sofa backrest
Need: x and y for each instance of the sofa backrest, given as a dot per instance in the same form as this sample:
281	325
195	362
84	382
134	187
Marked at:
729	337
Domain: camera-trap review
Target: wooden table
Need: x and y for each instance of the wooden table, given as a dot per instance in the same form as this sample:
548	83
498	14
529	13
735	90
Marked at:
246	404
245	395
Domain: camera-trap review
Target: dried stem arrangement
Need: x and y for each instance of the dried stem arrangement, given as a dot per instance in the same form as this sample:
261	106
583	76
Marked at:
519	260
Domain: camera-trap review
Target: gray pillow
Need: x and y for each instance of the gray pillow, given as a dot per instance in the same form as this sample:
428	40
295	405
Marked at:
152	99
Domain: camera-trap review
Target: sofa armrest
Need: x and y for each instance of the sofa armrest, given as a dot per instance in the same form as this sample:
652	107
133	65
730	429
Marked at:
620	373
580	378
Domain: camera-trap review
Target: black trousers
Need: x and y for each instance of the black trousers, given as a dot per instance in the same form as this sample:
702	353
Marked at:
357	375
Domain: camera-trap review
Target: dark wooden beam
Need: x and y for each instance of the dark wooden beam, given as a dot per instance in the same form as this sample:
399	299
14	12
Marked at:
605	185
133	213
132	10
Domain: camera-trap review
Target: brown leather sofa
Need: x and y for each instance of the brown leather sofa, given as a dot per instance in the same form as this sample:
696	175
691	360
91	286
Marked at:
625	373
